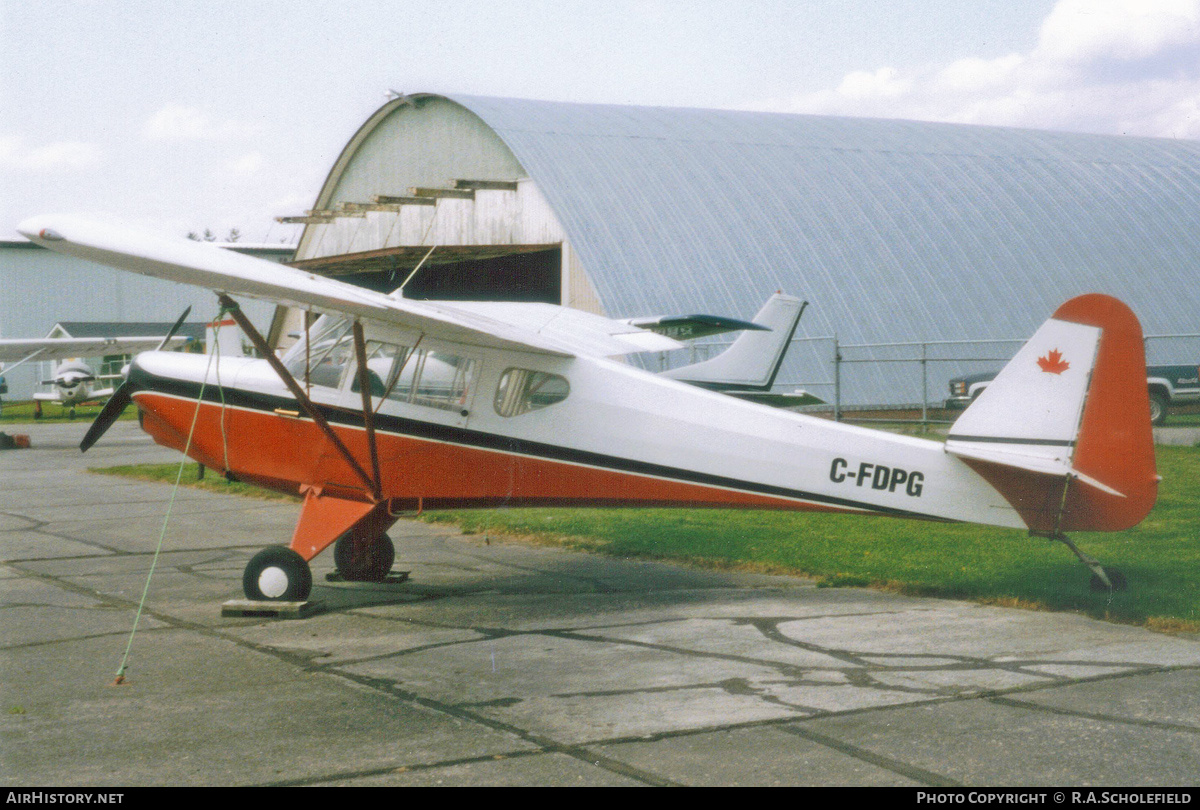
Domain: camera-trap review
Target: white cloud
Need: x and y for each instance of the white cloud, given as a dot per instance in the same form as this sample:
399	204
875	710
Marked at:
1082	30
1110	66
884	83
974	75
179	122
61	156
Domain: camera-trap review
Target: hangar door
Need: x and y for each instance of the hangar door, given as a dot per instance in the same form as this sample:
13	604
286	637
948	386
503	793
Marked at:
453	272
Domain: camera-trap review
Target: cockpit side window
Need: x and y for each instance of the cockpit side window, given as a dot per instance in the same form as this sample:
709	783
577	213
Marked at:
381	357
425	377
330	370
433	379
522	390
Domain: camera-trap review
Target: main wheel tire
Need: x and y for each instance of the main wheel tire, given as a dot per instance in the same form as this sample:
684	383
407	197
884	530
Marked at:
1158	408
359	561
277	574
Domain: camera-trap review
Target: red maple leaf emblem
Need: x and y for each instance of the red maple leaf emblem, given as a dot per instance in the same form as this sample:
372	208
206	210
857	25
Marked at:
1053	363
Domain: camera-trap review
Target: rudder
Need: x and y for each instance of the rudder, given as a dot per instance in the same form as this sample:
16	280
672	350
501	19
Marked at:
1063	432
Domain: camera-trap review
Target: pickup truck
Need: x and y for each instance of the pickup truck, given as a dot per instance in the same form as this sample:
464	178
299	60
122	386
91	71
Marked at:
1169	385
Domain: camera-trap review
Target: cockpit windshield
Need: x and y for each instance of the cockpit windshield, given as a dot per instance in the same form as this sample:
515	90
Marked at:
324	336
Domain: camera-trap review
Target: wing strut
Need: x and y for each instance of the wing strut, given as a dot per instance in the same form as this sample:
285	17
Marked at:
231	306
360	348
25	359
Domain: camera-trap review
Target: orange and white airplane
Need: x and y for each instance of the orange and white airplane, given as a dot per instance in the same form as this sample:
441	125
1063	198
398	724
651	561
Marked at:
389	406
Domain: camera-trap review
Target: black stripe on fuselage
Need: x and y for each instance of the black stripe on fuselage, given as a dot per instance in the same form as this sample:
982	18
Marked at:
267	403
1008	440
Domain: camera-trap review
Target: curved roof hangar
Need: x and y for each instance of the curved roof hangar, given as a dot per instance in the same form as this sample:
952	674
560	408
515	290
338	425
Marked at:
893	230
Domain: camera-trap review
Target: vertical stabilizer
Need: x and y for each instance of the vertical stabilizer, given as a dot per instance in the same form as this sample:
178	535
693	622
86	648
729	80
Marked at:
1064	432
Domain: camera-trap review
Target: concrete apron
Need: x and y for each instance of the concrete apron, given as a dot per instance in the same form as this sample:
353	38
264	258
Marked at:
501	663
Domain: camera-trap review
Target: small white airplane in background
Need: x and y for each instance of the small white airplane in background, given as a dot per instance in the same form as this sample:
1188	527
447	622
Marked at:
73	381
72	385
391	405
748	368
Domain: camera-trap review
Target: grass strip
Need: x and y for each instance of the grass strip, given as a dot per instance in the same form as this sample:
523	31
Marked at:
1160	557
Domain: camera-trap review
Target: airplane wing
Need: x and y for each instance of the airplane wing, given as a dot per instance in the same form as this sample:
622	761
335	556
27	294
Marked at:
103	393
18	351
526	327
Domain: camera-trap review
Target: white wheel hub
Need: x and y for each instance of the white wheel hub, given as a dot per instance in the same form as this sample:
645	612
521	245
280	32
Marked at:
273	582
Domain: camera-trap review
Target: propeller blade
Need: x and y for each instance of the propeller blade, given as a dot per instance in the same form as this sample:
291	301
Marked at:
174	329
110	413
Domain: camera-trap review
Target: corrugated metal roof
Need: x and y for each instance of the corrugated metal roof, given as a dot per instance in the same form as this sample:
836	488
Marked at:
114	329
893	230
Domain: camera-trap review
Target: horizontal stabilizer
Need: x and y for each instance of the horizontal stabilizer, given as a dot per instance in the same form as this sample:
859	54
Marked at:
781	399
1030	463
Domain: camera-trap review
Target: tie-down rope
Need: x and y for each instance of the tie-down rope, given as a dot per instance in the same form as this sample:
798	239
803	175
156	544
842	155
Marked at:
215	351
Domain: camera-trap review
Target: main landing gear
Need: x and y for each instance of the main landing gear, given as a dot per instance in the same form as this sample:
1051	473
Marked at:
279	574
1104	578
360	560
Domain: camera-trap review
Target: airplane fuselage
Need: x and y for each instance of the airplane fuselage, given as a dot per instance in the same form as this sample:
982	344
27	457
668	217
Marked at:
606	434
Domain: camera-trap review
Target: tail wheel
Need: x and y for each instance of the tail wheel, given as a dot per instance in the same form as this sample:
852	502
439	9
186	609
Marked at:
277	574
361	560
1115	577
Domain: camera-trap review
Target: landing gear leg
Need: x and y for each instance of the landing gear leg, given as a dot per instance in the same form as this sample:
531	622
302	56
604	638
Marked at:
1103	579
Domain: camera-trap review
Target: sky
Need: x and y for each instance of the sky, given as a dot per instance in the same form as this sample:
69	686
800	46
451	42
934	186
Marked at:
185	116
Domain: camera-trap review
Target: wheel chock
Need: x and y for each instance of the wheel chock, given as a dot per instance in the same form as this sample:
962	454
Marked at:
244	608
392	578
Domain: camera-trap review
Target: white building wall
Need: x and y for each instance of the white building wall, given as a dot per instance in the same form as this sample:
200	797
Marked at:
401	148
39	288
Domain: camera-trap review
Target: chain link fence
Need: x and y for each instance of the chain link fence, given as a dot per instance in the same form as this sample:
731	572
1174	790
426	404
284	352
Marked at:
923	397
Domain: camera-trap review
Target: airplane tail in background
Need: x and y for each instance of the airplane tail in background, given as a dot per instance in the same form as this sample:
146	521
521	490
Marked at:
753	360
1063	432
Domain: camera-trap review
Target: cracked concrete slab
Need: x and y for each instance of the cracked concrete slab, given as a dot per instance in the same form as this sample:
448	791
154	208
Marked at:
763	756
988	743
1167	699
500	663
